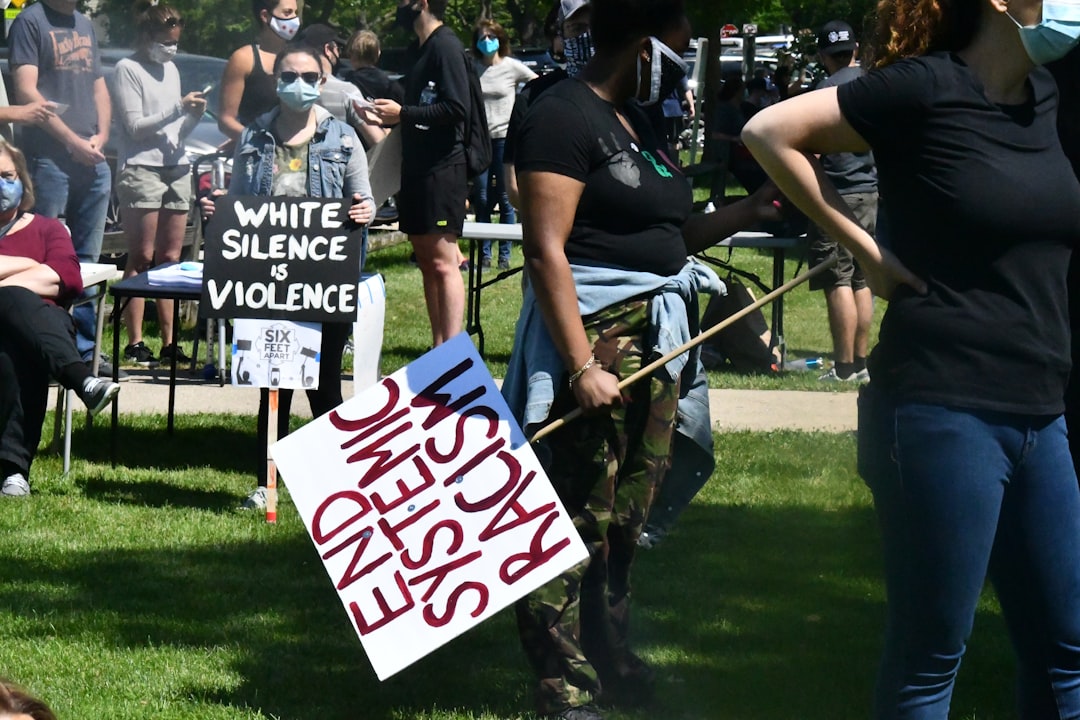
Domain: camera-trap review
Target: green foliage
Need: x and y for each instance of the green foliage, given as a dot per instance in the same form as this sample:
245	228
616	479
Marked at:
216	28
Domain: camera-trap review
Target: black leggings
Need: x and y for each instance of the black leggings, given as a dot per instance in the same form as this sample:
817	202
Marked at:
37	340
322	400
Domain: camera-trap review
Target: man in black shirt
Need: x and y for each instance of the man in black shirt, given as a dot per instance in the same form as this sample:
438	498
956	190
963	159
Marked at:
434	183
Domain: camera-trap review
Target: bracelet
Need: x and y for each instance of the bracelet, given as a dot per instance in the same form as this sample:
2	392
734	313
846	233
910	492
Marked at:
588	364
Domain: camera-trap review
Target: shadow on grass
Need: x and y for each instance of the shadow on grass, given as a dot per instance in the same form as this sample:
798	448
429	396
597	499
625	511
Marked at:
224	443
746	613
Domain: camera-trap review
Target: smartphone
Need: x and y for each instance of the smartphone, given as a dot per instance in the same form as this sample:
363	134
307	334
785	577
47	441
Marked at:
207	89
60	108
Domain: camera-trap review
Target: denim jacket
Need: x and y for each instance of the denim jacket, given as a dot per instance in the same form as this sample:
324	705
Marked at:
337	164
535	366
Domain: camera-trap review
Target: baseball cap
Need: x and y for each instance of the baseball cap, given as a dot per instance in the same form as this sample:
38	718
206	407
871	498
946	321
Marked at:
836	36
317	35
569	7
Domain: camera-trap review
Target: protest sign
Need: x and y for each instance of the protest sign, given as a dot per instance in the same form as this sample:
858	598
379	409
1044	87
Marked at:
276	354
368	332
281	258
427	505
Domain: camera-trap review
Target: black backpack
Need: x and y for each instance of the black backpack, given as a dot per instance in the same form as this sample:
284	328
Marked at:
477	134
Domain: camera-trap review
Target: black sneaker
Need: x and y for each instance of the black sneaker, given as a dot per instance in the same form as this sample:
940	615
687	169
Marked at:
105	369
140	355
504	264
97	393
173	353
485	263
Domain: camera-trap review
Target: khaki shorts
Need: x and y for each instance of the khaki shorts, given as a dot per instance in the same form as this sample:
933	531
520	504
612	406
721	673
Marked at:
146	187
846	273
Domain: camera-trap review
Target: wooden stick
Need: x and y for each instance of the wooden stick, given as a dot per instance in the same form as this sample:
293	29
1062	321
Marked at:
271	467
702	337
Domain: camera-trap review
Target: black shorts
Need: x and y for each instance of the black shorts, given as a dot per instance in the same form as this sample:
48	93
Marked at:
433	203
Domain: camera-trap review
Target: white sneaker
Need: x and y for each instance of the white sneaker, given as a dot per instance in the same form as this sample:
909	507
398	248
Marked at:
863	376
831	376
256	500
15	486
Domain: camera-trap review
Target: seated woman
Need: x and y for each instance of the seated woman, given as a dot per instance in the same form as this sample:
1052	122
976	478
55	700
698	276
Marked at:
299	149
39	277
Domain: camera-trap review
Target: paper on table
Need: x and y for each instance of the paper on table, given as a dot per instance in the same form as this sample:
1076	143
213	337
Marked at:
185	274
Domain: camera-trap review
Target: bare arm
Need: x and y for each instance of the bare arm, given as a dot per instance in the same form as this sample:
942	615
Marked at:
784	137
14	264
104	114
549	203
702	231
26	93
512	184
39	279
233	79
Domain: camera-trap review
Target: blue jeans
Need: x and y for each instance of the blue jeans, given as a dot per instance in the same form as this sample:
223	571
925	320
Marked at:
80	194
960	495
490	188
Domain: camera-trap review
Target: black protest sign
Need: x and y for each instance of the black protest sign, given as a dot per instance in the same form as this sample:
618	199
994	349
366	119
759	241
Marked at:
281	258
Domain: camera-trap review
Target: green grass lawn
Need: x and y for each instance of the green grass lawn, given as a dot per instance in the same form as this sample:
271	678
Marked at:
141	592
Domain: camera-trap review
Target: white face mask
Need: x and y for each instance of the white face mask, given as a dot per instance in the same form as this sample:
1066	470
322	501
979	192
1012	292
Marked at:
162	53
284	27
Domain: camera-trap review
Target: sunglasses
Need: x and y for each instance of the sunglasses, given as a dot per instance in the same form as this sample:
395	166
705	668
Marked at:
290	76
172	22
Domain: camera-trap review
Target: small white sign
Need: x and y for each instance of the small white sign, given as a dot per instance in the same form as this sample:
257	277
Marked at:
276	354
427	505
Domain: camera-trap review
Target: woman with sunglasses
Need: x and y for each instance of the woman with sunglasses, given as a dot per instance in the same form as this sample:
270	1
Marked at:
299	149
607	230
247	89
153	184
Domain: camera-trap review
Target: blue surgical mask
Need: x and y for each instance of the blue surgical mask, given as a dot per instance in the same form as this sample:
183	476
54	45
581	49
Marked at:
1056	35
298	95
488	46
11	192
577	51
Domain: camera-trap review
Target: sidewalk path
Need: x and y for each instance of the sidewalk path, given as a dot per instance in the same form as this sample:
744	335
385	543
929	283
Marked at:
147	391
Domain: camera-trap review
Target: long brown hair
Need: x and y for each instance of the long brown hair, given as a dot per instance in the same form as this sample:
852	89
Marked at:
910	28
14	700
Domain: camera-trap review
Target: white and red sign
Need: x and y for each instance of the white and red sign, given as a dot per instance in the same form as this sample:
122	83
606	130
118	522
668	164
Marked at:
427	505
728	31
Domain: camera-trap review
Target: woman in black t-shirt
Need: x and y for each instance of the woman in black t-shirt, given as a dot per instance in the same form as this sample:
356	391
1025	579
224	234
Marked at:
607	229
961	436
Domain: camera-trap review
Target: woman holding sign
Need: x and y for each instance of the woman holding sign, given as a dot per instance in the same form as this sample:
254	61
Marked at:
298	149
607	230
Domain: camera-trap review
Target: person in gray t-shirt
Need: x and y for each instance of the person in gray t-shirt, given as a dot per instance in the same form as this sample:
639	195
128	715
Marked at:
54	57
847	297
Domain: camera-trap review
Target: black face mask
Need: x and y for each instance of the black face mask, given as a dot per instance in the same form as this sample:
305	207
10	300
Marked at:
671	74
405	17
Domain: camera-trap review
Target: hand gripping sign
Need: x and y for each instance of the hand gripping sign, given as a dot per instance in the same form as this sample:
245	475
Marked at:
427	505
281	258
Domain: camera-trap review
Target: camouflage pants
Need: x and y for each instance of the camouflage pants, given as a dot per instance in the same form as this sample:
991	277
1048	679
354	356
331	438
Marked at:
606	470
